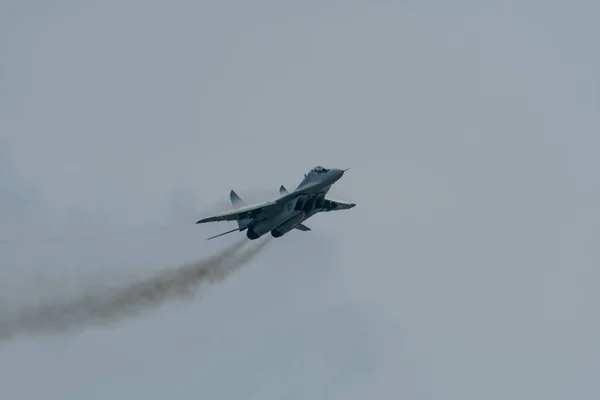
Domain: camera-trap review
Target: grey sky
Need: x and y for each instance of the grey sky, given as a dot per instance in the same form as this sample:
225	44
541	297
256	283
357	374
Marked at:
468	269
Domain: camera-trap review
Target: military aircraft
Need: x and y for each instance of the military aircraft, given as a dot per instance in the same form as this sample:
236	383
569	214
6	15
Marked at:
288	211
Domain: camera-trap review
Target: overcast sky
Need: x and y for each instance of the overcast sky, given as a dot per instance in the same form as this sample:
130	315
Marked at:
468	269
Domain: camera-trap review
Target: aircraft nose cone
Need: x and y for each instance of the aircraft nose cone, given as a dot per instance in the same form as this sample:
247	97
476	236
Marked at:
337	173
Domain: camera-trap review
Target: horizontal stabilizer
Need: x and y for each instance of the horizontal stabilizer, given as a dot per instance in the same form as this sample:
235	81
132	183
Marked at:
335	205
302	227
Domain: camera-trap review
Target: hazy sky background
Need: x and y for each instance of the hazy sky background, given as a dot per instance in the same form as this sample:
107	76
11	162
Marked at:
468	269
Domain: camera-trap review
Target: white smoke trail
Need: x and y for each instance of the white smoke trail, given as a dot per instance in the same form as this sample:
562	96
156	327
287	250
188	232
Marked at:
113	305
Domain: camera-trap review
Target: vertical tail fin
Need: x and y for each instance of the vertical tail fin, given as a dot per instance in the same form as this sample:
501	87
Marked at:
282	190
237	202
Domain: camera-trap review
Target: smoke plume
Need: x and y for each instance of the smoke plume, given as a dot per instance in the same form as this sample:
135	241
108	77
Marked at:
110	306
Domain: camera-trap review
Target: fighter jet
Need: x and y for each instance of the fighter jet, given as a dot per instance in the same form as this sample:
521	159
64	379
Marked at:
287	212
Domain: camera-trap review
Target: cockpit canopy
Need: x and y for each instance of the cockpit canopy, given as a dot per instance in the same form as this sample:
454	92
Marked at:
319	169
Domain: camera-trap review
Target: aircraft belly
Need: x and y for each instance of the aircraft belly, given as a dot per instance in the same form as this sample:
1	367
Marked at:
310	214
268	224
302	205
289	224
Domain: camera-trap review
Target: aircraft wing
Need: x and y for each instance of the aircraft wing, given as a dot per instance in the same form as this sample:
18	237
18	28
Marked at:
263	210
248	212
